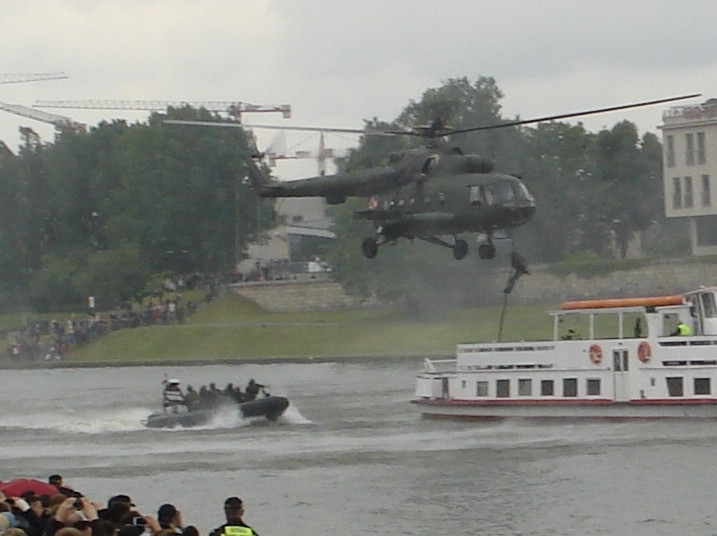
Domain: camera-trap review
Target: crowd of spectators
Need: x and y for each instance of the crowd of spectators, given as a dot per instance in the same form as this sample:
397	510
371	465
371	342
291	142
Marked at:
49	340
70	513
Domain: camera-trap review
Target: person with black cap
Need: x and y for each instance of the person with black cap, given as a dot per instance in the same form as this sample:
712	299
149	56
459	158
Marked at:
119	510
235	526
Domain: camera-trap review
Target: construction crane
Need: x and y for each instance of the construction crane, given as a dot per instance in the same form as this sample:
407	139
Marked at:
232	109
60	122
34	77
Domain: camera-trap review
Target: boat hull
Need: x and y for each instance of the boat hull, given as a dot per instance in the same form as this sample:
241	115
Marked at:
589	409
270	407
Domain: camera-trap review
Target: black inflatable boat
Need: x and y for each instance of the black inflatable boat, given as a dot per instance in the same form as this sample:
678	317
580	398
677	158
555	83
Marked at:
271	407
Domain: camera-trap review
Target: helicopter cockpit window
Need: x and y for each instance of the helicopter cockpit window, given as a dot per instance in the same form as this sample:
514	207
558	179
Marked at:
521	192
503	193
475	195
429	164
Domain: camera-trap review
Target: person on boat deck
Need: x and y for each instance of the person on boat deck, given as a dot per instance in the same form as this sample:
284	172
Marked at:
638	328
172	398
214	395
252	389
572	335
204	397
191	397
235	526
682	329
238	395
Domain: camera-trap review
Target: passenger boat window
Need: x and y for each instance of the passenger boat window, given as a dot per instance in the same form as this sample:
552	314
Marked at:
674	386
481	388
593	386
669	321
502	388
709	305
702	386
547	388
570	387
616	361
525	387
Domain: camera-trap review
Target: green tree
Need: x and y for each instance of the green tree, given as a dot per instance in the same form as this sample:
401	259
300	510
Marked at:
157	198
631	193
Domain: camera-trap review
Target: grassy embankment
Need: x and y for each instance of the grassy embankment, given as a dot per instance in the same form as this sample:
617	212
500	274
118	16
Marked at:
232	328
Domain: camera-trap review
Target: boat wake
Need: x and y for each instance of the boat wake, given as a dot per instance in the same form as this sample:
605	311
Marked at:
292	415
67	420
86	422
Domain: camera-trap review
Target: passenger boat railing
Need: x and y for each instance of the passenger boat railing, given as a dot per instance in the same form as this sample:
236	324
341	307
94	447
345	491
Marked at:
439	366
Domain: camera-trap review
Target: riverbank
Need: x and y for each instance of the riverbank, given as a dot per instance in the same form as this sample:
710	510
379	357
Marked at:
232	331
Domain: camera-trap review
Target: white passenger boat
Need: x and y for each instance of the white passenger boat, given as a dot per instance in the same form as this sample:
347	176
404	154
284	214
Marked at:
630	365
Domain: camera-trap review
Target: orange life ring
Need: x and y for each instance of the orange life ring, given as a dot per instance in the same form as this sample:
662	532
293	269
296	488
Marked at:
644	352
595	354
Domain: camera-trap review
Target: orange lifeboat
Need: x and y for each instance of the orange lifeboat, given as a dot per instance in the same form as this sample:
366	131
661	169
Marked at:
653	301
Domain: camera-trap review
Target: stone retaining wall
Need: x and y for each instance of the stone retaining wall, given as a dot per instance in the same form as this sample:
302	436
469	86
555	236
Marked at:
290	296
539	287
657	279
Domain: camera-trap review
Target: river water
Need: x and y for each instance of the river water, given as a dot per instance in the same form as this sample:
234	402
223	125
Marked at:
353	456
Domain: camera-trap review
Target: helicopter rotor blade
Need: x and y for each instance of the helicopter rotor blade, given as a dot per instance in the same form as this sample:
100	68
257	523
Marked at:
226	124
572	114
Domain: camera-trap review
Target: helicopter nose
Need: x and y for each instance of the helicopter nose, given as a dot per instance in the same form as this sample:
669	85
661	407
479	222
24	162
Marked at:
521	214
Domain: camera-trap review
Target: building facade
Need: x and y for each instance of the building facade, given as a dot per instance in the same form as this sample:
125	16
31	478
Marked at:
689	140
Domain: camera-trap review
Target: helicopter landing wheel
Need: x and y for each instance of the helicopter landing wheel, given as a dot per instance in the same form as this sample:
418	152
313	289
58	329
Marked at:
486	251
369	247
460	249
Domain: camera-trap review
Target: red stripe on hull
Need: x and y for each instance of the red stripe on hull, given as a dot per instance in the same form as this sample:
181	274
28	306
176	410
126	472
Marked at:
571	402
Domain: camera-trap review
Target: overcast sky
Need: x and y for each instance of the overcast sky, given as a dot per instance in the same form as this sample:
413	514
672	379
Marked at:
337	62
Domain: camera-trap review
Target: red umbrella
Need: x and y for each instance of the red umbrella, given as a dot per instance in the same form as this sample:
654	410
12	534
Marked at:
15	488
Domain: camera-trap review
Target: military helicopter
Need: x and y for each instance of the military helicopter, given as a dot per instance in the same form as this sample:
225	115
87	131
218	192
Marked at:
433	193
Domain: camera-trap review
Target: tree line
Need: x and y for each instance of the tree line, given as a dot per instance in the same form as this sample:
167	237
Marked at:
108	211
105	213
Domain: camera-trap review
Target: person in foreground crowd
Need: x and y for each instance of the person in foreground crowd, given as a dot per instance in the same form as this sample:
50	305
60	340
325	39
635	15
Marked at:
235	526
60	515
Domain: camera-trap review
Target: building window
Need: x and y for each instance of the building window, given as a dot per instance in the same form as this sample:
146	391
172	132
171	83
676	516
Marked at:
706	194
593	386
570	387
481	388
676	192
670	151
502	388
690	149
547	388
702	386
674	386
525	387
701	149
689	198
